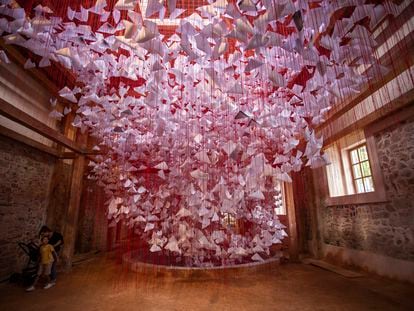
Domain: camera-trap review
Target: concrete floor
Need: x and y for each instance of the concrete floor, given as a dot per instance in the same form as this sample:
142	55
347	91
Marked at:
102	285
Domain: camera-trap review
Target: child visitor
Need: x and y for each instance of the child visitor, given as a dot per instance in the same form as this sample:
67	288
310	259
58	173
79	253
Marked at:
47	257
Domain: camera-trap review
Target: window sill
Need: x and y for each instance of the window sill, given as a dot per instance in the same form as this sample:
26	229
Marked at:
360	198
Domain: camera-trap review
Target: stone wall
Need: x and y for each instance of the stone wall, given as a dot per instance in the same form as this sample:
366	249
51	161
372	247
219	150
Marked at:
382	228
25	175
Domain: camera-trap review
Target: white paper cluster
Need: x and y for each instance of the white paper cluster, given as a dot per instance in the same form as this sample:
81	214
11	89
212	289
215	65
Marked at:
198	129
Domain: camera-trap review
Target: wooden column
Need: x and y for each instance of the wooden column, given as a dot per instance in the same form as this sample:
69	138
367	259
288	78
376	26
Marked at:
320	186
313	201
71	220
293	230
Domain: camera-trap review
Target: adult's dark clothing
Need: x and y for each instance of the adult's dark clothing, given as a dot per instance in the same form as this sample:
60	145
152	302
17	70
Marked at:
56	237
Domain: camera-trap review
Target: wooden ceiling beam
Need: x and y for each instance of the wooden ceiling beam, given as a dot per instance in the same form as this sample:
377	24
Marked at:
4	131
396	59
37	74
19	116
72	155
401	102
28	141
402	61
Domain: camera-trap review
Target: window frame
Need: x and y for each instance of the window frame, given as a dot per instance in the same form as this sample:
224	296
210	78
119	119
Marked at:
229	220
376	196
281	211
359	163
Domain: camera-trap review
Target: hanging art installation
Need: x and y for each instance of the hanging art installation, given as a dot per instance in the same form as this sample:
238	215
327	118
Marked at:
197	128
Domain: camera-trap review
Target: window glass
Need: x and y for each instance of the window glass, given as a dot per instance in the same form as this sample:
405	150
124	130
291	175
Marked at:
360	186
369	185
363	154
366	170
357	171
354	156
